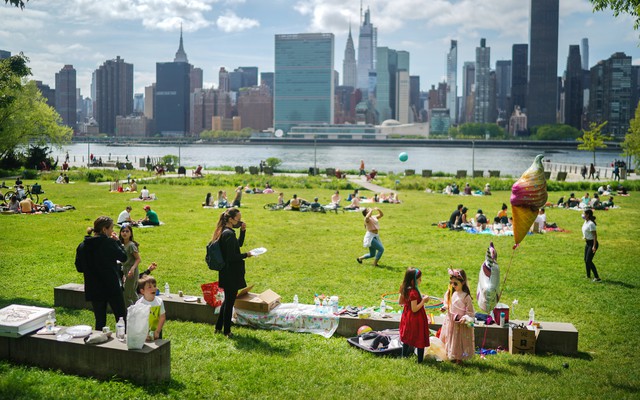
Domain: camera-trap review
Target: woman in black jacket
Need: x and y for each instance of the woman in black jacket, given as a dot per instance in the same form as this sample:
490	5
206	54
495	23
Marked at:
96	258
232	275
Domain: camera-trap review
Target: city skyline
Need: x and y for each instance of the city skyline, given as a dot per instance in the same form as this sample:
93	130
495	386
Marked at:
234	33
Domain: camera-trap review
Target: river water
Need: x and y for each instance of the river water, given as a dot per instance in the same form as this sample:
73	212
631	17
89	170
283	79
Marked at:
301	157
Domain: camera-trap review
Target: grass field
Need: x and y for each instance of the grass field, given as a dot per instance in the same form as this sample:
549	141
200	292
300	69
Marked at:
315	253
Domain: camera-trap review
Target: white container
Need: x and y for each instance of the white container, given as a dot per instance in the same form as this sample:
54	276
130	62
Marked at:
334	303
166	289
120	330
532	316
295	299
383	307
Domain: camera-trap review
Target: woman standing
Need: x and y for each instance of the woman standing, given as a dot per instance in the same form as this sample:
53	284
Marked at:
371	237
591	246
97	258
231	277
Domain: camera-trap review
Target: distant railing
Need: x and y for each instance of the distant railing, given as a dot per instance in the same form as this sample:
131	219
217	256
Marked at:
603	172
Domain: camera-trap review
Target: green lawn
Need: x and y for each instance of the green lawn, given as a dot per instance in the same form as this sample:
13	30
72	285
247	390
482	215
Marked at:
315	253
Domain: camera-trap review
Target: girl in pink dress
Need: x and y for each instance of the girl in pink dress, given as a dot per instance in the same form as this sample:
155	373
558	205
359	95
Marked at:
457	329
414	325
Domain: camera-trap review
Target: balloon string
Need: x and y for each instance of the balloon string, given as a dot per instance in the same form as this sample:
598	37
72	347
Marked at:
504	282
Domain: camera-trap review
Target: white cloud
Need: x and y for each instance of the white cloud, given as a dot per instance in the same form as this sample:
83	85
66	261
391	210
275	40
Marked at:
230	22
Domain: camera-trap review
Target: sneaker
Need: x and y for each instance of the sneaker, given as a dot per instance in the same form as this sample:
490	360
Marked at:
596	280
359	260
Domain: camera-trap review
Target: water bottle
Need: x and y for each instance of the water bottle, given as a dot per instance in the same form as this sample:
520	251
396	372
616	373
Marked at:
120	330
295	300
383	307
325	305
166	289
50	322
316	301
532	316
502	319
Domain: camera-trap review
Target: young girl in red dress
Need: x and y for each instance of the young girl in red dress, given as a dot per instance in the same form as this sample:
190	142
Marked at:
414	325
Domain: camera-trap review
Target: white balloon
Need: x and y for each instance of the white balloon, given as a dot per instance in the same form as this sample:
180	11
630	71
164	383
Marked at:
488	292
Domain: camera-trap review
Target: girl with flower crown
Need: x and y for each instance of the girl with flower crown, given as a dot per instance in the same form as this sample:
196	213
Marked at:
457	329
414	325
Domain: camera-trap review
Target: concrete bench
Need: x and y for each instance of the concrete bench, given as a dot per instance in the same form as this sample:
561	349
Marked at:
494	173
461	173
409	172
554	337
71	295
427	173
478	173
151	364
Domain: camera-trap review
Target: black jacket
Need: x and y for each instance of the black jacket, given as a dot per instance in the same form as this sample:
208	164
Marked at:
96	257
232	275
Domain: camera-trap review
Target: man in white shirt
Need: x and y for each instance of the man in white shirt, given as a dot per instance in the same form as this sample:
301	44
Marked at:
540	222
144	193
125	217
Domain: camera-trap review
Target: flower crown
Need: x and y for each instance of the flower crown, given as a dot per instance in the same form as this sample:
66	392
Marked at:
455	273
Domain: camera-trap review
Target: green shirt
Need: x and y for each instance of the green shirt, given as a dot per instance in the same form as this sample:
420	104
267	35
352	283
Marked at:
153	217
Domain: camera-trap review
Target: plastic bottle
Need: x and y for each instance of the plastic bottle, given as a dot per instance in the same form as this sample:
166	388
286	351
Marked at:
120	329
295	300
50	322
502	316
325	305
383	307
166	289
532	316
316	301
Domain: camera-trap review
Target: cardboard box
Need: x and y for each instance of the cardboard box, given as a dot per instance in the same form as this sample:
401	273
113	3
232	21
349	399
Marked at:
263	302
522	341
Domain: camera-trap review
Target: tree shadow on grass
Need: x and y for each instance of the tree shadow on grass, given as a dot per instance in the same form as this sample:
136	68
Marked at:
254	344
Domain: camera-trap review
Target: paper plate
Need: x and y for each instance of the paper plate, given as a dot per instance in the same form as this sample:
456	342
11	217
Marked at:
190	299
258	251
79	330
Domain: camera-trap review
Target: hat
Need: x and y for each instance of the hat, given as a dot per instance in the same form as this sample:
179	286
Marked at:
147	207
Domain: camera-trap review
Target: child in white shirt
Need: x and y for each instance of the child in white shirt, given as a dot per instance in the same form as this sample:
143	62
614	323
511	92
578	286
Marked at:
157	317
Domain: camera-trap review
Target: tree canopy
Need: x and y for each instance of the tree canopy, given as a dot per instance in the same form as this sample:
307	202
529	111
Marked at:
477	130
631	7
25	116
17	3
631	144
593	139
555	132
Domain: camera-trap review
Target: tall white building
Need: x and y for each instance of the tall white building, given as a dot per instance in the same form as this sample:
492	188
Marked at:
367	43
402	96
481	104
349	64
452	81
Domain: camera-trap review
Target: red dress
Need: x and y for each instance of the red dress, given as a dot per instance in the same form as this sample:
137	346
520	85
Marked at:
414	326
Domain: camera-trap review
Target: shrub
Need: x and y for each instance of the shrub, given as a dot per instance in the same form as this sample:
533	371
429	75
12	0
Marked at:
94	176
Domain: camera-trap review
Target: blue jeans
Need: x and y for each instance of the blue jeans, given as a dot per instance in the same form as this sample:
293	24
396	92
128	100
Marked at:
376	245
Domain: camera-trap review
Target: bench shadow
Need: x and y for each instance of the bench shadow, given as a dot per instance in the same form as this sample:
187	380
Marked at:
532	367
24	302
581	355
448	366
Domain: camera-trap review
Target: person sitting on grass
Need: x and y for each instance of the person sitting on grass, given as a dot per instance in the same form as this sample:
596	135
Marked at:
315	206
335	198
14	204
27	206
151	218
481	221
608	203
60	178
502	214
295	203
455	218
467	190
355	202
371	175
208	201
134	186
125	217
222	199
144	193
157	316
487	190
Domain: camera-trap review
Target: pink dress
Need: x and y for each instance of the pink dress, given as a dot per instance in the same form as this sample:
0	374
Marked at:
458	339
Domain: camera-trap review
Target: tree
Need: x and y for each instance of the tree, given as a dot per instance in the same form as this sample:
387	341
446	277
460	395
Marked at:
631	7
593	139
555	132
25	116
17	3
631	144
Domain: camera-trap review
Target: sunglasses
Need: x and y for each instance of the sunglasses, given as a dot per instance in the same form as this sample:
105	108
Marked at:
454	284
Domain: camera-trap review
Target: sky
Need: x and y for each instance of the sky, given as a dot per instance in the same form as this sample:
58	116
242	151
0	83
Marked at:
233	33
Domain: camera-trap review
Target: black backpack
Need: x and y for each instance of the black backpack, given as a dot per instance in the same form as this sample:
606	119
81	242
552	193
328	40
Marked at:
214	258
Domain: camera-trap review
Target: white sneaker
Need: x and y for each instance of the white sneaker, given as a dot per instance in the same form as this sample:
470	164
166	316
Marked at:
596	280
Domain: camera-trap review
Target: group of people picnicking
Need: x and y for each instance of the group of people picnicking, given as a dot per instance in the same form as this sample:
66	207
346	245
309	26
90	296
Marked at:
150	218
21	203
452	188
110	265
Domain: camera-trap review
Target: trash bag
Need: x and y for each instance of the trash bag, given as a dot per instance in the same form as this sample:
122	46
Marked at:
213	294
436	349
137	325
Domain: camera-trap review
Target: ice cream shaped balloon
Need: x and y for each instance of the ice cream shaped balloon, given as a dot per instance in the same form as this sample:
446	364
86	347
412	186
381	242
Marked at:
488	292
528	195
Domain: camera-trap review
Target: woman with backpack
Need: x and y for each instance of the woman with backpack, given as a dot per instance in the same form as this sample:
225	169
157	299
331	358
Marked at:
231	277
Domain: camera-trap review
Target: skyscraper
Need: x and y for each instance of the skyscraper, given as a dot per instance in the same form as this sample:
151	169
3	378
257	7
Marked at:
573	88
66	96
349	64
414	98
543	58
114	93
519	74
249	76
503	88
367	43
266	79
171	106
223	80
304	91
195	79
468	84
481	101
611	97
585	53
255	108
386	69
138	103
452	81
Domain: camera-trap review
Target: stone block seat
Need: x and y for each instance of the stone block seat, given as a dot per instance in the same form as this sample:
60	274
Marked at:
149	365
